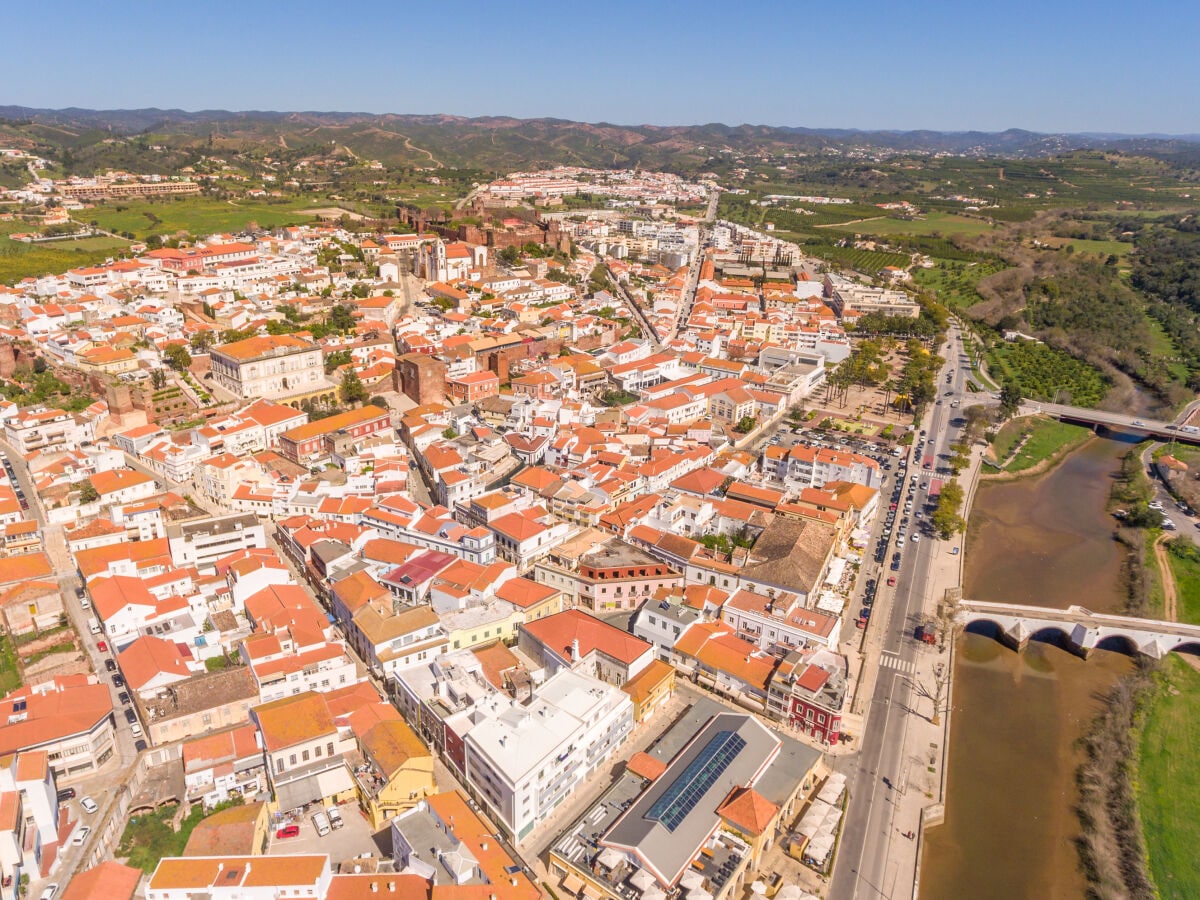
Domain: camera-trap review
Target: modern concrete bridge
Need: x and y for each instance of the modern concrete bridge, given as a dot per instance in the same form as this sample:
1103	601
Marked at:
1082	630
1167	431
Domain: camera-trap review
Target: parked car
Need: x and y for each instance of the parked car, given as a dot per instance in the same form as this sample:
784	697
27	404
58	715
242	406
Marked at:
288	831
102	646
321	824
124	698
89	805
66	794
139	746
118	680
50	891
81	834
891	581
111	665
130	716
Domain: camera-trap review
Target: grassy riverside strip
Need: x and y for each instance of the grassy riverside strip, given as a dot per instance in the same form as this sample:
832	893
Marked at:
1167	778
1184	558
1111	848
1048	440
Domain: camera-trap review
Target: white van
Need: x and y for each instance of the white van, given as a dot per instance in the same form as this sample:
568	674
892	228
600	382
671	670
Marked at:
94	625
321	824
335	817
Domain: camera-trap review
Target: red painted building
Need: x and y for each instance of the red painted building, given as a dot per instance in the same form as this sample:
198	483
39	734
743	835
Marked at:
808	691
473	387
308	443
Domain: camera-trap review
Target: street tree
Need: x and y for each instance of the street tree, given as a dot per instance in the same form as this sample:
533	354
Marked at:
947	519
352	389
1010	399
88	492
177	357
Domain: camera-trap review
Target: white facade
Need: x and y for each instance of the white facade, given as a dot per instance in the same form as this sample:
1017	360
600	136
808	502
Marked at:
202	543
523	760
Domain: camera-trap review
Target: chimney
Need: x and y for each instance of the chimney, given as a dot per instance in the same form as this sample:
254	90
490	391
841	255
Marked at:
483	846
392	887
575	650
374	887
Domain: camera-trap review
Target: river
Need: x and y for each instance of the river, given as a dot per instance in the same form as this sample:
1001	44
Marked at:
1010	805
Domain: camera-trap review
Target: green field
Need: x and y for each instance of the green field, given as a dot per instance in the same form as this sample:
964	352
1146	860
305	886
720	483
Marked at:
1185	567
1045	373
198	216
19	260
1168	780
955	282
10	675
1047	438
869	262
928	224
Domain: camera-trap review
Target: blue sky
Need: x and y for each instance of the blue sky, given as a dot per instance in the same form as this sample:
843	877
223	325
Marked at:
1049	66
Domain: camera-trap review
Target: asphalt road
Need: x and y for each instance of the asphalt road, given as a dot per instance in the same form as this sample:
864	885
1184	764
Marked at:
862	868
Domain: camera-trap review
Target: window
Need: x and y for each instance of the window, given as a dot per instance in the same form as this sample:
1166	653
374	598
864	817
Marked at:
279	765
329	748
317	751
304	755
292	759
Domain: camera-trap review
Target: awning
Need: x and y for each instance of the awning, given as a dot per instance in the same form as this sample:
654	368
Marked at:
592	892
313	787
335	781
572	883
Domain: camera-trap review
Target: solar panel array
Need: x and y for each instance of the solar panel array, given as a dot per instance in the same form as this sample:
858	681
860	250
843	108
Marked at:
694	782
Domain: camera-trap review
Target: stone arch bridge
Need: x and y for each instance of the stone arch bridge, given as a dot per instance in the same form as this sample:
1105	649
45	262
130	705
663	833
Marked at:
1081	629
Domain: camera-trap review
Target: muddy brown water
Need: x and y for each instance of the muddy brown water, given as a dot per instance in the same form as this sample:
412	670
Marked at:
1010	801
1047	540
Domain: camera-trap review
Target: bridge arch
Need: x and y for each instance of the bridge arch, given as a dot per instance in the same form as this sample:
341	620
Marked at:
1120	643
986	627
1052	634
1190	648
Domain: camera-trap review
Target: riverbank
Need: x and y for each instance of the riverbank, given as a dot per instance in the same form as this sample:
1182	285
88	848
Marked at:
1111	848
1168	778
1030	446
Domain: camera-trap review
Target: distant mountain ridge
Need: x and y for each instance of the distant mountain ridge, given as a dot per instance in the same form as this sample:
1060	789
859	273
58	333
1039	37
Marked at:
502	142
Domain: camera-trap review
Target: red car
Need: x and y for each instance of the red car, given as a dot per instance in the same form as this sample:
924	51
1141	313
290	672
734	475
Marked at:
102	646
891	581
288	831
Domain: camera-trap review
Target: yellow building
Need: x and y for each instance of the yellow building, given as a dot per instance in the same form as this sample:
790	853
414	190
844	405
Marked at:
396	771
109	360
650	688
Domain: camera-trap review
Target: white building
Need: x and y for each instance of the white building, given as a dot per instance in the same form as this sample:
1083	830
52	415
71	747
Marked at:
273	366
202	543
41	429
305	877
523	760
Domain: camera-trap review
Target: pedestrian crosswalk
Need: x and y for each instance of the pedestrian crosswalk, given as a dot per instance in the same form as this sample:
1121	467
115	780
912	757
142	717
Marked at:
895	662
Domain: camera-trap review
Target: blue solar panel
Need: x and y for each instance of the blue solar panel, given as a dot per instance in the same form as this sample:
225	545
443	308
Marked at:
694	782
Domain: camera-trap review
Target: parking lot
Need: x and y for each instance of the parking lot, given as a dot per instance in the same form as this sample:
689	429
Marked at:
352	840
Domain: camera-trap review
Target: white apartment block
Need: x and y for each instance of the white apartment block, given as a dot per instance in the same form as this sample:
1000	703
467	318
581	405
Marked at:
523	760
41	429
202	543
